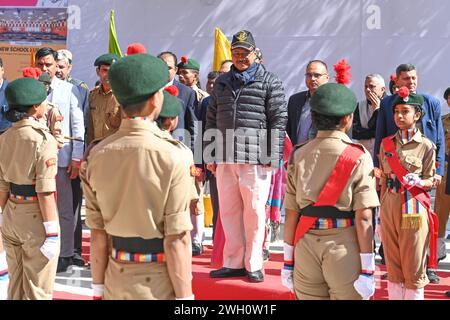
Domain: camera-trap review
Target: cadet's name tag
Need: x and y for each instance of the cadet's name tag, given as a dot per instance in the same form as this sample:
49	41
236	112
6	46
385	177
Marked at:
50	162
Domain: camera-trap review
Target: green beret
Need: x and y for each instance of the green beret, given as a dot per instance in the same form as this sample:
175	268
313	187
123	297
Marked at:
188	64
135	78
171	106
333	99
106	59
404	96
25	92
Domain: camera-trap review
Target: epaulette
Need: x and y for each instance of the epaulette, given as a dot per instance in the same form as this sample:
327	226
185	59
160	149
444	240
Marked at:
295	148
356	144
90	146
165	135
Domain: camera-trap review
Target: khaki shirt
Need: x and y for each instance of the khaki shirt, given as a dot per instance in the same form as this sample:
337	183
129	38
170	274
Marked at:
136	182
52	119
28	156
311	166
446	126
417	156
105	114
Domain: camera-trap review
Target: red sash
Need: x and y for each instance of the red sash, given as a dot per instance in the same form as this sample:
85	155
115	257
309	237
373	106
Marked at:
418	193
333	188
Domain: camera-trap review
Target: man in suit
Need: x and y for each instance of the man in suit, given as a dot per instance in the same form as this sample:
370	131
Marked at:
299	125
187	119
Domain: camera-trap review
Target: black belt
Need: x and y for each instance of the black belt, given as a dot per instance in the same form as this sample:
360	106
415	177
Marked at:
326	212
138	245
26	190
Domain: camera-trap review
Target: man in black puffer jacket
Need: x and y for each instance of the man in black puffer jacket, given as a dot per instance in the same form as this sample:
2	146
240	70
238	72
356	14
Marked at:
246	122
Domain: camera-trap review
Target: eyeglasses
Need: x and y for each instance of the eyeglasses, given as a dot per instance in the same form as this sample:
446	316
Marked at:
241	55
314	75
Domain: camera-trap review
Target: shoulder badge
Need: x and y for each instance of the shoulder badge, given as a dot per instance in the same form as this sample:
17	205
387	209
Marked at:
377	172
195	172
50	162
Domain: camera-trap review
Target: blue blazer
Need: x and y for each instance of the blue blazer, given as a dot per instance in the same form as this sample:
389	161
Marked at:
187	119
431	124
295	106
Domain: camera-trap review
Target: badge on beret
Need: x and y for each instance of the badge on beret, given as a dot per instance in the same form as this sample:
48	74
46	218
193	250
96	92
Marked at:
50	162
195	172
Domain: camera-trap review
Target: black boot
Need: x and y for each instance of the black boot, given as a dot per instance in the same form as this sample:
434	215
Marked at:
63	264
432	276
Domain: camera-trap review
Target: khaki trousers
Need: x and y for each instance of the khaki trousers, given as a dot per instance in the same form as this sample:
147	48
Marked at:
137	281
327	263
243	192
31	274
442	206
405	250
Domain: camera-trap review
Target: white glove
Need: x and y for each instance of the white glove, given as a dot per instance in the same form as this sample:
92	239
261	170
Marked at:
413	179
50	248
4	277
287	278
186	298
365	284
98	290
287	273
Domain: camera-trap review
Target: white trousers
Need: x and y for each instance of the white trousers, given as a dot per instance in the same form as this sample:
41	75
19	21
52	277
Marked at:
243	192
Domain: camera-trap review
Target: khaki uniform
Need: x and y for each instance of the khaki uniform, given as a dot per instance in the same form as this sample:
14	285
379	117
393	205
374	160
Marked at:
327	261
104	116
28	157
149	201
405	248
442	201
53	120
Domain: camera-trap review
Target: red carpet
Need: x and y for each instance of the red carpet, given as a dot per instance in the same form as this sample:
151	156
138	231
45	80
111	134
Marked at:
206	288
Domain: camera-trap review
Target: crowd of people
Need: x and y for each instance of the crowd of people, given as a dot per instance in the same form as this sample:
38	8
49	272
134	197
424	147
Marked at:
345	170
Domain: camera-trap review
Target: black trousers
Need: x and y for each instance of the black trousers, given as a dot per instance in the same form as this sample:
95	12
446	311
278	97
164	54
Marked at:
77	201
214	200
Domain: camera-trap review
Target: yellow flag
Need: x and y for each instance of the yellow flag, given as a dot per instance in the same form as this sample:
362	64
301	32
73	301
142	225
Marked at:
33	58
222	49
113	43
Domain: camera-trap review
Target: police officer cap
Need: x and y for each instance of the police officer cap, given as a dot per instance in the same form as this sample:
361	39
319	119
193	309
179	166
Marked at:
186	63
136	77
243	39
171	106
333	99
446	93
106	59
25	92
